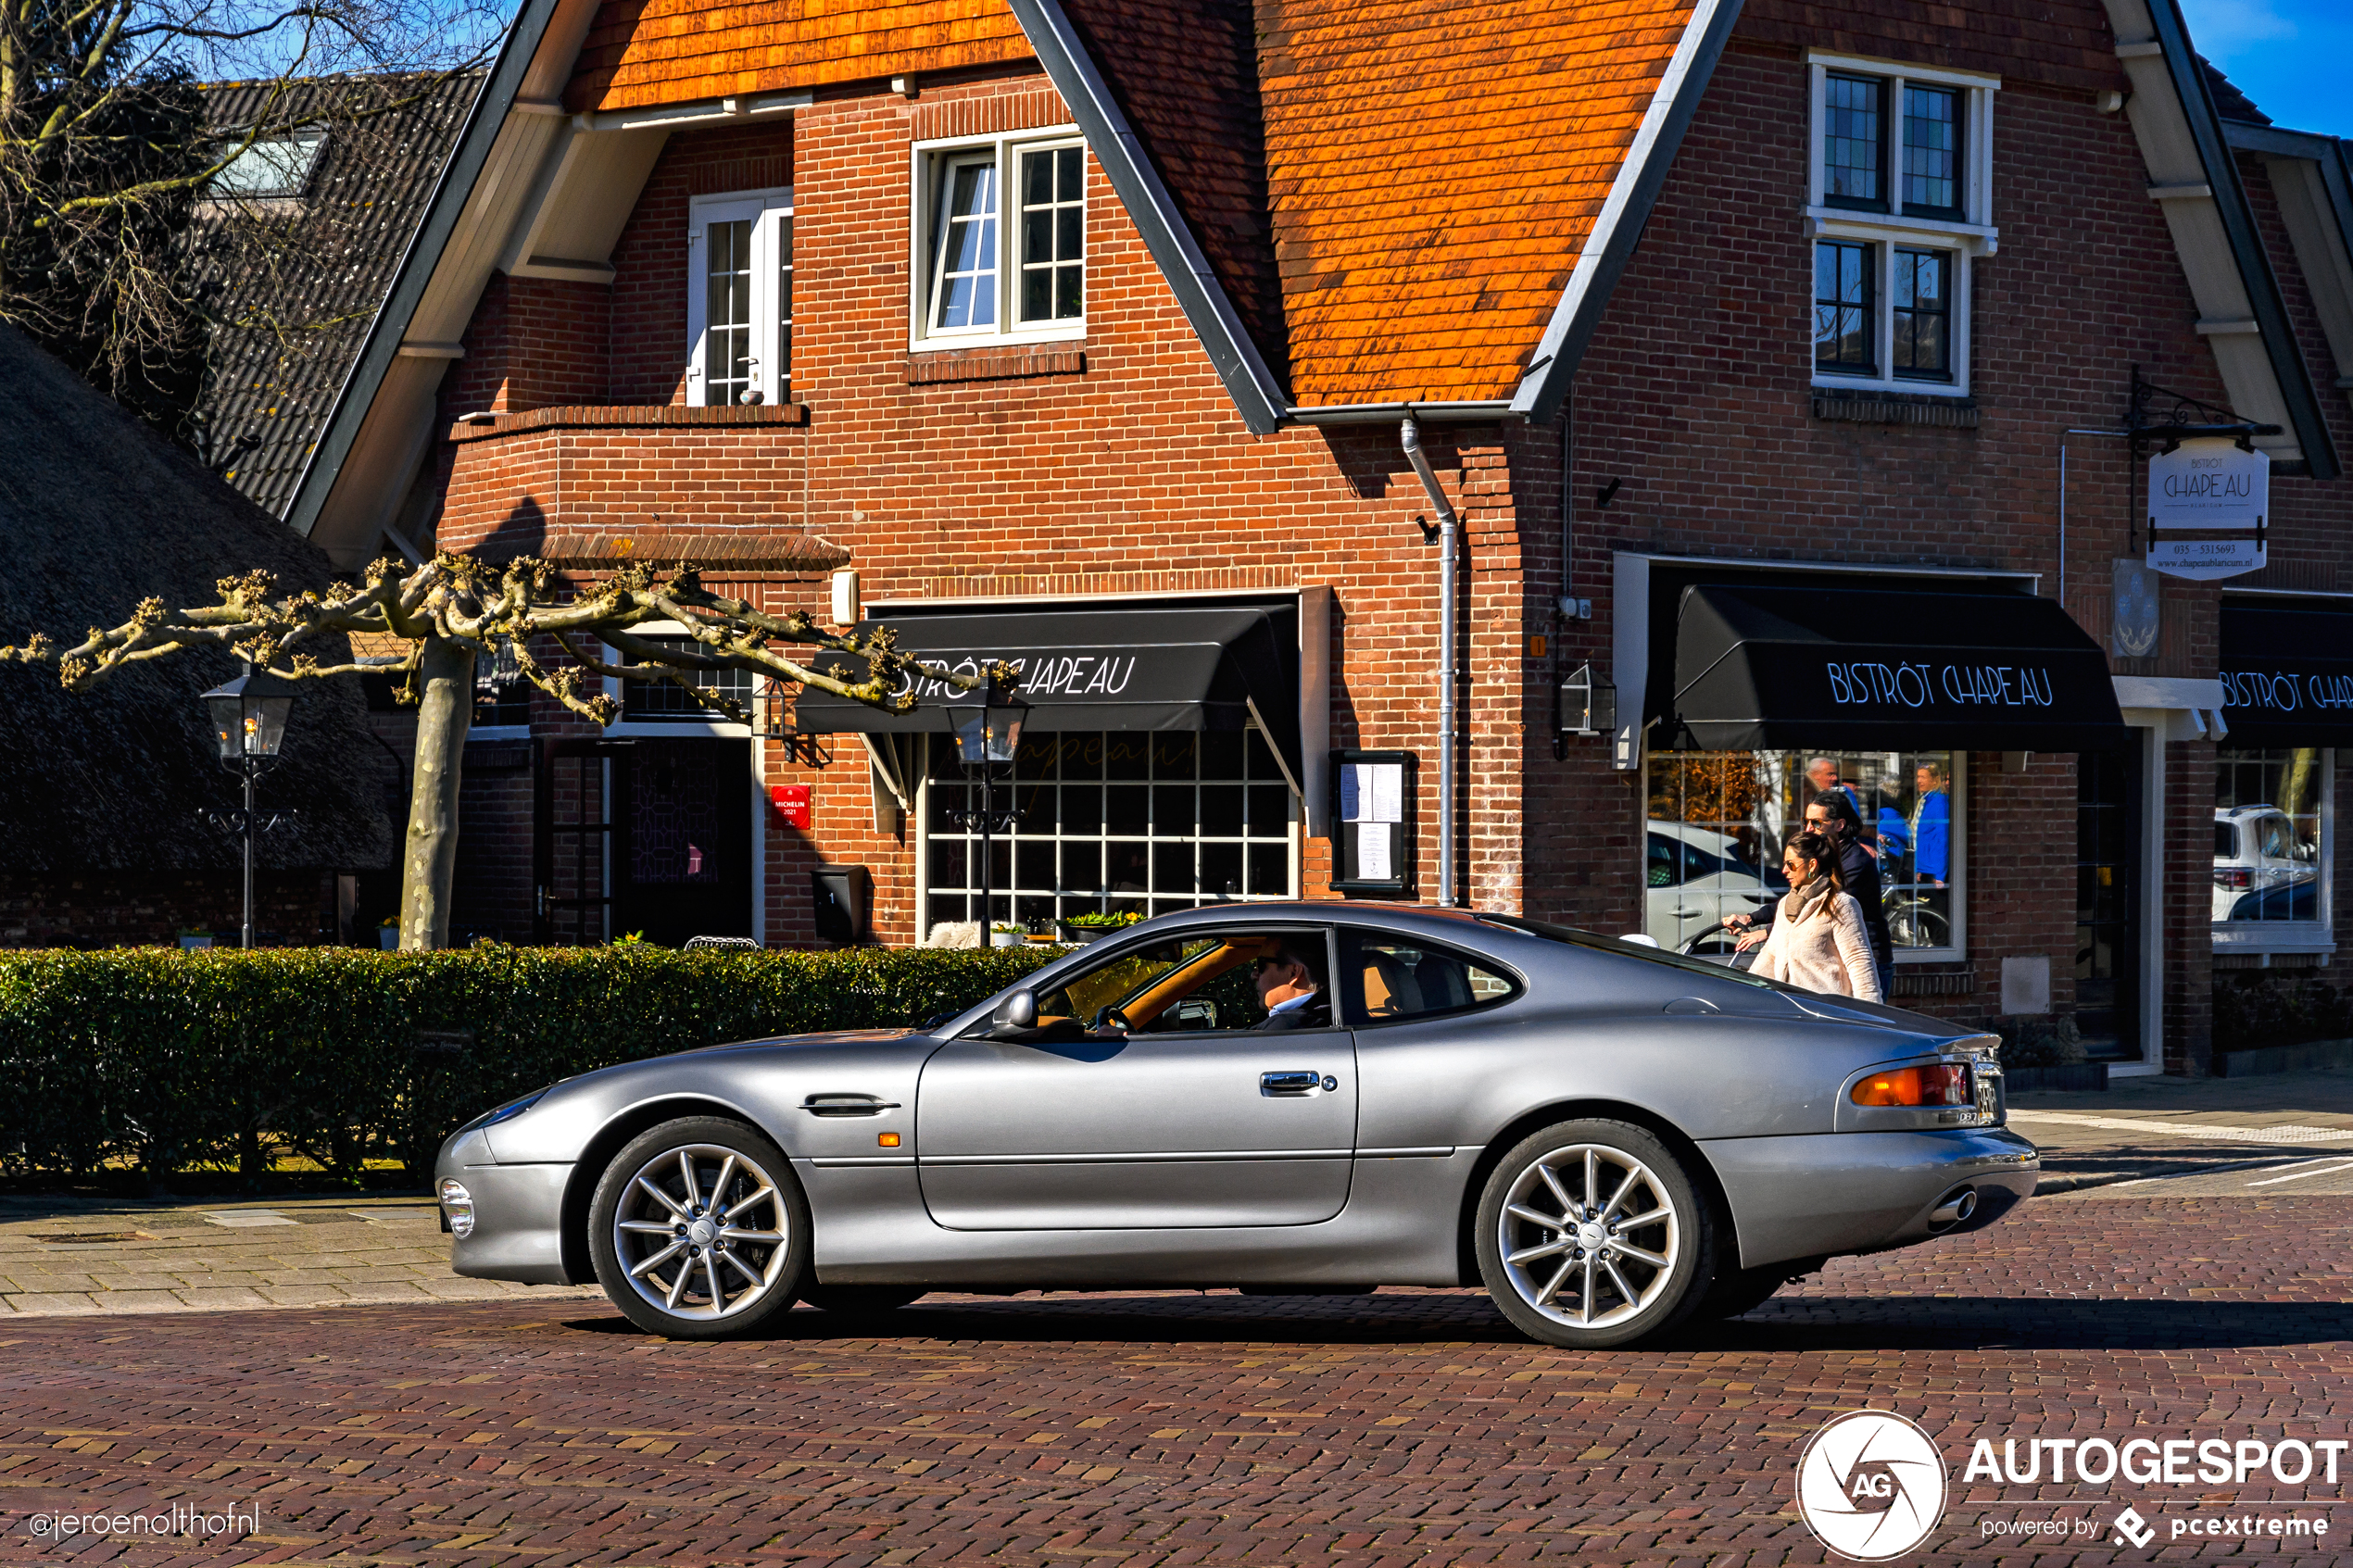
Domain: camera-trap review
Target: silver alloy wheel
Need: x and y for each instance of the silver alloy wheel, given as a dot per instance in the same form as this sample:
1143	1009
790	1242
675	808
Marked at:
1589	1236
701	1232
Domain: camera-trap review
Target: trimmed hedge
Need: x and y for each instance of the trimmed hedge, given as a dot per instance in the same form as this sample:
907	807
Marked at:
171	1060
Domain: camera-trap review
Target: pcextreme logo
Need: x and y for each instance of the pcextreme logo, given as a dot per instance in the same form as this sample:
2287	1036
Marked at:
1870	1486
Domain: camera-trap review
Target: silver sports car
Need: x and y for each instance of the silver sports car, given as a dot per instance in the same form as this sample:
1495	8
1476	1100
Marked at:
1310	1099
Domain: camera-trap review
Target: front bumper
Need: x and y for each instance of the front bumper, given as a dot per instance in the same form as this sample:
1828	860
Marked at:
1823	1194
519	1210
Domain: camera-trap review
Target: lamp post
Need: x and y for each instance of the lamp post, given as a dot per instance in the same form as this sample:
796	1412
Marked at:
249	724
988	720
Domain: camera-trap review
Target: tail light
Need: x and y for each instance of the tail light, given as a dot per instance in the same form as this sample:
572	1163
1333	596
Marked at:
2235	876
1946	1083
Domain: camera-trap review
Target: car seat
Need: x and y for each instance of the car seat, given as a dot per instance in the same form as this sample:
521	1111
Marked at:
1390	988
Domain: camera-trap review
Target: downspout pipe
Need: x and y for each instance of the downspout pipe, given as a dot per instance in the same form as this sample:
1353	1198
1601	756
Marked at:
1409	437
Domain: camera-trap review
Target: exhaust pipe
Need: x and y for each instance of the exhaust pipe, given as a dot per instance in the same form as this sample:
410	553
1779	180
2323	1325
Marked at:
1955	1207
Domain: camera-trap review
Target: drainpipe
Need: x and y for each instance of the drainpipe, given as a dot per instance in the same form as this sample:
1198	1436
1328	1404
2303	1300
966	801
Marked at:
1410	438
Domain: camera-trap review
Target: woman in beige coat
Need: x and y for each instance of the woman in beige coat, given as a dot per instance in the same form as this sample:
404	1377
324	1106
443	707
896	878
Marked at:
1817	940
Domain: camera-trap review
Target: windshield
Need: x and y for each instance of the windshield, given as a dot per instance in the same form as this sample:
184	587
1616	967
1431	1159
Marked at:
1618	944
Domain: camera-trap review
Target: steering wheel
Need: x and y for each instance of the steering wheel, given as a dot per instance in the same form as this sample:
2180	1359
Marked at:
1109	1017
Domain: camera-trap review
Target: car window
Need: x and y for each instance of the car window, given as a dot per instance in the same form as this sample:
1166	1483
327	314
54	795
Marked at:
1698	862
1204	982
1391	978
1579	939
2226	842
2276	845
1663	869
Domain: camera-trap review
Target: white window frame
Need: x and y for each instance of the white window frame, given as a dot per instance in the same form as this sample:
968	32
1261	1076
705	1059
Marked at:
765	210
2316	935
1966	239
929	162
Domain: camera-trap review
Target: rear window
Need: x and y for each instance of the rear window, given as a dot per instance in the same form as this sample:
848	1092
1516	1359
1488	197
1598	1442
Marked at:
1594	939
2226	842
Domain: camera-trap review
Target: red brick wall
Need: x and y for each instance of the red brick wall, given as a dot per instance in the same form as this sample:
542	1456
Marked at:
109	910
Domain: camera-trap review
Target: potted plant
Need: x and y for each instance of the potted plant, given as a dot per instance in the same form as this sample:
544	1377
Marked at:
1096	924
194	939
388	933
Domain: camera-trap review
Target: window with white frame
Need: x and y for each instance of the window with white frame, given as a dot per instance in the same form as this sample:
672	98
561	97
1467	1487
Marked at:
2272	821
999	244
1899	202
739	299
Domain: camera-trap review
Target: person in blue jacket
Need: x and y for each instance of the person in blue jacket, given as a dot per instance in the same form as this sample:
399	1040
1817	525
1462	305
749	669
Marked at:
1933	825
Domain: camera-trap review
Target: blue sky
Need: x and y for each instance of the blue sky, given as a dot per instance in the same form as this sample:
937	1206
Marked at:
2291	57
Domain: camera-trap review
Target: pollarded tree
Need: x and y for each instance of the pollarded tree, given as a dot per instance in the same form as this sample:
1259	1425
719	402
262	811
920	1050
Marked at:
455	611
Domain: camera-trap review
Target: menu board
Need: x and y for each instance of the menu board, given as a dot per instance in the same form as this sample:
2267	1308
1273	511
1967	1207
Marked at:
1374	849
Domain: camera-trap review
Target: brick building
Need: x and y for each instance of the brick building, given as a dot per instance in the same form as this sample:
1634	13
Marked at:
1787	379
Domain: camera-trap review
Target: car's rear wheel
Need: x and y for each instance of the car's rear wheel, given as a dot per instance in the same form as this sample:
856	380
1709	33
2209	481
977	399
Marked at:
861	1301
699	1230
1592	1235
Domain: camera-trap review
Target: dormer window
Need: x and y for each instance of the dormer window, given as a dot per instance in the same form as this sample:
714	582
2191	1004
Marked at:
1899	203
274	166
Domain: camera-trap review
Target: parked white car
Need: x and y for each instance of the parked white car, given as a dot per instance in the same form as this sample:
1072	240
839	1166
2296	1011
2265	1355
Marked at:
1696	877
2256	850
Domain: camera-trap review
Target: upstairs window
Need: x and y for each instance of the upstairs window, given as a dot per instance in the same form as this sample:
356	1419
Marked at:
1899	203
740	299
1000	251
274	166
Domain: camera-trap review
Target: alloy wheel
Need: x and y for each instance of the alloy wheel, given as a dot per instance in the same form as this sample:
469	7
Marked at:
702	1233
1589	1236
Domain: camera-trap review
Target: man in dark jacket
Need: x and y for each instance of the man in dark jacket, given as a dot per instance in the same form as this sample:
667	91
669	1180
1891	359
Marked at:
1290	983
1832	812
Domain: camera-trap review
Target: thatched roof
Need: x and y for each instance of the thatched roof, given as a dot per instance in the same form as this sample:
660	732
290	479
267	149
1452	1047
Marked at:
96	513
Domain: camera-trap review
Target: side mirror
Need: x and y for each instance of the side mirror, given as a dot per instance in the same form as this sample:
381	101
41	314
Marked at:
1016	1012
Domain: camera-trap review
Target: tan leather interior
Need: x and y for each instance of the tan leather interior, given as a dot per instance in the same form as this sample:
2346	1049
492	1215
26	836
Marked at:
1390	988
1183	981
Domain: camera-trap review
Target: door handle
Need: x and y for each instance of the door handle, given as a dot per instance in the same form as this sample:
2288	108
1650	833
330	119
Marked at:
846	1105
1289	1082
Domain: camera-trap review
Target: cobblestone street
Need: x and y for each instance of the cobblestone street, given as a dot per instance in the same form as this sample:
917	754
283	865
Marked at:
1410	1427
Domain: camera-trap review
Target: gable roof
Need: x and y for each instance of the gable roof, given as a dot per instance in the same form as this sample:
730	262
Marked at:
2194	175
96	513
296	312
1399	202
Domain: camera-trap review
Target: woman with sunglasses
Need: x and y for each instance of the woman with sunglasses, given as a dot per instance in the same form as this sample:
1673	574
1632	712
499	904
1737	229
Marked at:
1819	940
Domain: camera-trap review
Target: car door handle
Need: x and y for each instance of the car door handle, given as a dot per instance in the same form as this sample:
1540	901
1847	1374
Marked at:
1290	1083
846	1105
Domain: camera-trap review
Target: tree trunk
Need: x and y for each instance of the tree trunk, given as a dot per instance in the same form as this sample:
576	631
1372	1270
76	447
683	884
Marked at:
429	867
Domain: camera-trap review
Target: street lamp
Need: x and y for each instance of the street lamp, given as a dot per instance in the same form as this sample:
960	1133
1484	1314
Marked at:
249	724
988	721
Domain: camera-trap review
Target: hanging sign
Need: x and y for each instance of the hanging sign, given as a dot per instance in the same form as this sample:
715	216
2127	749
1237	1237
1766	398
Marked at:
2205	487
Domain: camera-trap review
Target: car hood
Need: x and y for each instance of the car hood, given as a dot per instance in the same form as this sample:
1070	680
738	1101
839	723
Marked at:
793	1041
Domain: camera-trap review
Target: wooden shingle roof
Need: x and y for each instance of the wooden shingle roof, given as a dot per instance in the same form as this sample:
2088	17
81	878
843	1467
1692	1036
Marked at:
647	52
1433	173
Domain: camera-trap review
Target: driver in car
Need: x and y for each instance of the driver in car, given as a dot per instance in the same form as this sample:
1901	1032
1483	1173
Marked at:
1290	984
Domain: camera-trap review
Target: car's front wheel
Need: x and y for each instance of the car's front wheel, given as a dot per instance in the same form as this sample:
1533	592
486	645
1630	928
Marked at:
699	1230
1590	1234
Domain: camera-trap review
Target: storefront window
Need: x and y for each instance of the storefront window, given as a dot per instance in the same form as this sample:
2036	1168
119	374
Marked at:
2270	841
1141	823
1718	821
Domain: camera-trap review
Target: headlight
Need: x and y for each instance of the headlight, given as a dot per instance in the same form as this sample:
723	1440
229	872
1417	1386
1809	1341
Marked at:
506	1113
459	1204
1948	1084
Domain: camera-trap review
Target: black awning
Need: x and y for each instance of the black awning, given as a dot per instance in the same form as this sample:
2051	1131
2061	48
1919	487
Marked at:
2287	674
1760	669
1142	668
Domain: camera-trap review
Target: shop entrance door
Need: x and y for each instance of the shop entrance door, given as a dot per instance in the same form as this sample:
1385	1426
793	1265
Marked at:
2108	924
682	840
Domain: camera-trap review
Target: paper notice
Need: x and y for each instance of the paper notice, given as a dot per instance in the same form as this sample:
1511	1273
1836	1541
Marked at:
1350	793
1372	852
1388	792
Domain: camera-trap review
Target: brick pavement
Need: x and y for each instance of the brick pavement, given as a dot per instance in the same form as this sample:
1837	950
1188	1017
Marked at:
2160	1127
1405	1428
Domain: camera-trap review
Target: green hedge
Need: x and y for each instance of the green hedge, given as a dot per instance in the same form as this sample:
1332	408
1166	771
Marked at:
171	1061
